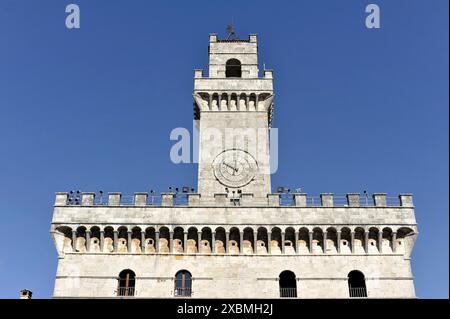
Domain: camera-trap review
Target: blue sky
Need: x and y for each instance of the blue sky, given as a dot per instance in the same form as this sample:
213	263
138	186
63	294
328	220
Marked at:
92	109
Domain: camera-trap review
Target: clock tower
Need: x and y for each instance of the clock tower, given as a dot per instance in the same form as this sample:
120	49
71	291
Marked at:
234	108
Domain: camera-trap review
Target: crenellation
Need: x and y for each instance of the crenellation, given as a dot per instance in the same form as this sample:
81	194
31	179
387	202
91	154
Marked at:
380	199
87	199
61	198
327	199
114	198
406	200
140	199
353	199
167	199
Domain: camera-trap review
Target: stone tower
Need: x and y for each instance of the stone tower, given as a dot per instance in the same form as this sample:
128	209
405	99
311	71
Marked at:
233	238
234	106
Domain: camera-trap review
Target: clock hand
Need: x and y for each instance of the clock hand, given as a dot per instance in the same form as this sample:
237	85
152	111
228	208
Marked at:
229	166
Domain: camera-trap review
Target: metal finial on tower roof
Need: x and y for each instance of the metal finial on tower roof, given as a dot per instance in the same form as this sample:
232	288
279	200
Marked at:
231	34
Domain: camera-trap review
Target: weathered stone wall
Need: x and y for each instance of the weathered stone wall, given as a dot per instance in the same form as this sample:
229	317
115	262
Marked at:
95	275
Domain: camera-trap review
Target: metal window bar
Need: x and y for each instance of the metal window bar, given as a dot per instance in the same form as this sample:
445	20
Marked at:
126	292
154	200
288	292
287	199
180	199
101	199
127	200
358	292
182	292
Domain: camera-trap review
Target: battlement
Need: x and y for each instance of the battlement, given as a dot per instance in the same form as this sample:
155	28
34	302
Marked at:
231	200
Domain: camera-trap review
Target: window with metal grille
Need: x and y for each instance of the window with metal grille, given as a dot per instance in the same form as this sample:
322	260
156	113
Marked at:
357	284
127	279
183	284
288	284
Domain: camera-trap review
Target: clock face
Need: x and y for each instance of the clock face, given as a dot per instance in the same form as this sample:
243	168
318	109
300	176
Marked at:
235	168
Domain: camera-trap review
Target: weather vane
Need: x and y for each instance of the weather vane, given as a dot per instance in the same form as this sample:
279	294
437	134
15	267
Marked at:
231	34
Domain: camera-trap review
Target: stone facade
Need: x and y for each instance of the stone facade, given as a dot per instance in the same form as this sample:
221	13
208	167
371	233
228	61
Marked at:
234	238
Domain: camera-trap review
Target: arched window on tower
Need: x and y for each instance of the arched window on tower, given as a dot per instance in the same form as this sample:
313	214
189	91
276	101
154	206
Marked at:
233	69
183	284
127	279
357	284
288	284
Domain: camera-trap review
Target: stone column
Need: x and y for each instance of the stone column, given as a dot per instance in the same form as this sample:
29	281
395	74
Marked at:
324	242
102	240
338	239
143	241
213	242
129	241
269	243
352	241
185	234
241	242
297	250
255	241
74	240
171	242
311	242
282	242
380	242
366	241
88	240
199	238
156	241
394	242
115	240
227	242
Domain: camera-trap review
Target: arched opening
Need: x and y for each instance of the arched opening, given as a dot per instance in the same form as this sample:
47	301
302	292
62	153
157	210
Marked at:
403	239
80	244
290	245
122	245
317	243
220	241
164	240
288	284
95	239
108	245
261	240
373	244
331	244
248	241
242	102
233	68
359	241
136	240
235	241
205	242
183	284
67	239
192	244
127	280
178	240
346	239
150	241
275	241
304	246
357	284
387	240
